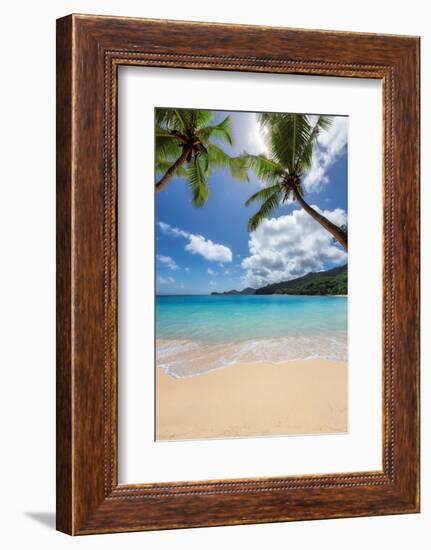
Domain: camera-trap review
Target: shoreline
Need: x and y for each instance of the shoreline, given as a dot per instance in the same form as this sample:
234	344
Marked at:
258	362
184	358
251	400
220	294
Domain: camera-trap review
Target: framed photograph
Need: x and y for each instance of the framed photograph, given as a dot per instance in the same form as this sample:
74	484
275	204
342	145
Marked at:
237	274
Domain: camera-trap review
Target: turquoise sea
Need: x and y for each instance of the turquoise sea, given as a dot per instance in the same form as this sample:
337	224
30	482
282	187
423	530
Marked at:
195	334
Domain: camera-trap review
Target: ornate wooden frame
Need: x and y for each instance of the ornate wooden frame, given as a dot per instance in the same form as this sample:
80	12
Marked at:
89	51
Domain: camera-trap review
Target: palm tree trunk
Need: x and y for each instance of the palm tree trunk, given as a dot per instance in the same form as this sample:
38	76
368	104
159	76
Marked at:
335	231
170	172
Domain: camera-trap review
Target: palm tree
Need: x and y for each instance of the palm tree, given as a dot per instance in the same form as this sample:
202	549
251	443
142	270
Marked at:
185	147
291	139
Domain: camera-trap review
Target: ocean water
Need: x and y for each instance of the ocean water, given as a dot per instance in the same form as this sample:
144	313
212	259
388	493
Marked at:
196	334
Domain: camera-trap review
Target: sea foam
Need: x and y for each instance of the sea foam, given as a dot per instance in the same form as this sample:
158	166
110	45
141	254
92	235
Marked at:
182	358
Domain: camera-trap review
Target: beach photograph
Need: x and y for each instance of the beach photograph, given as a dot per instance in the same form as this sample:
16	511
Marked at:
251	266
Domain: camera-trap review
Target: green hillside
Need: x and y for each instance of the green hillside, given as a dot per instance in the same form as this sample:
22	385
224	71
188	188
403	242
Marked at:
333	281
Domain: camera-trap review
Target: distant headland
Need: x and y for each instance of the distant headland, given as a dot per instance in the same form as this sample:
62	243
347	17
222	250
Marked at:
322	283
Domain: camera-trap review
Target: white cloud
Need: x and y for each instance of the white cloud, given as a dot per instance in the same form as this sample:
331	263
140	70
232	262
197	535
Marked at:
330	145
212	283
165	280
248	135
173	231
168	262
211	272
213	252
291	246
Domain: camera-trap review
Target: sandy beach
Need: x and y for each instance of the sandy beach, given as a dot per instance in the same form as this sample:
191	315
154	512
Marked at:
264	399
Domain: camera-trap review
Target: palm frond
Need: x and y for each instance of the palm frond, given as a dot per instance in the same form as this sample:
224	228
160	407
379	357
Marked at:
304	158
185	119
324	122
182	119
264	211
162	131
197	182
167	148
192	119
205	163
217	157
287	136
203	118
239	167
166	118
266	169
221	131
263	194
291	138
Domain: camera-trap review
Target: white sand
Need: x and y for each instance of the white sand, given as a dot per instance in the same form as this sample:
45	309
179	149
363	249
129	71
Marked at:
299	397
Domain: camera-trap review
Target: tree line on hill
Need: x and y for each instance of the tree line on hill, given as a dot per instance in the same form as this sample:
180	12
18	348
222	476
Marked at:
321	283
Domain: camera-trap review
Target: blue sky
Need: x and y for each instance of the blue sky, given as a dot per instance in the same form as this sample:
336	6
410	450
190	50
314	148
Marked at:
200	250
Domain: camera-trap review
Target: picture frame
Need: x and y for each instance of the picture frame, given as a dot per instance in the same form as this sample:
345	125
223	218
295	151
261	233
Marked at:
89	51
